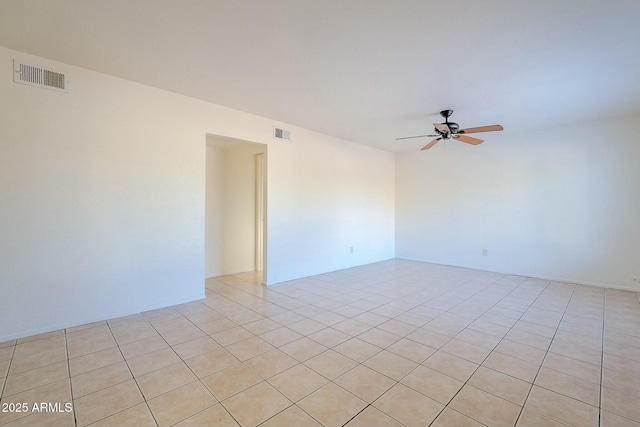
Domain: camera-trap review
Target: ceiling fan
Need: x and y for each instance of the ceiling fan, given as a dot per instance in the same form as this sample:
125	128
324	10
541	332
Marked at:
451	130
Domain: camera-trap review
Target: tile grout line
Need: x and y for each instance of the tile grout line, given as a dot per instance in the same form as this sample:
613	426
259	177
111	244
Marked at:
73	400
604	320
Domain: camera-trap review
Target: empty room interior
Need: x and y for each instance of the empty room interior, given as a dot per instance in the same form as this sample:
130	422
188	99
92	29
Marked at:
319	213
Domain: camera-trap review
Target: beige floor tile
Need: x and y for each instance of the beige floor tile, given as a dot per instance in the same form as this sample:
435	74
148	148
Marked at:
629	384
329	337
256	404
433	384
466	350
390	364
271	363
485	407
397	327
303	349
297	382
165	379
28	362
232	380
93	361
106	402
152	361
193	348
231	336
534	328
561	408
489	328
328	318
126	334
46	343
217	326
27	380
182	334
620	403
379	338
249	348
608	419
411	350
211	362
573	367
408	406
138	416
617	348
306	326
45	335
287	318
330	364
371	417
181	403
568	385
436	324
332	405
369	318
6	353
280	337
570	349
617	363
293	416
527	338
449	418
509	365
529	418
365	383
6	344
429	338
357	349
351	327
261	326
59	391
90	341
505	386
521	351
215	416
98	379
43	419
451	365
143	346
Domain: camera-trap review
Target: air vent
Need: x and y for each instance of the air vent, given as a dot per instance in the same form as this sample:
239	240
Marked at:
33	75
279	133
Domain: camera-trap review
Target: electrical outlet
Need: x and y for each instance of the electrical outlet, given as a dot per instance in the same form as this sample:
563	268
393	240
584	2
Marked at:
485	252
350	249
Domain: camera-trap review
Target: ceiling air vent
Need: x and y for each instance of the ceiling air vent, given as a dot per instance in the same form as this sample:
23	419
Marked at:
33	75
279	133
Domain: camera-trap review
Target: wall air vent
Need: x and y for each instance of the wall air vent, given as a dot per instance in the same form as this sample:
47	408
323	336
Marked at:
33	75
279	133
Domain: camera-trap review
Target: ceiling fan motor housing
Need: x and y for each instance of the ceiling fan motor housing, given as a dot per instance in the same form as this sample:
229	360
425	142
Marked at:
453	127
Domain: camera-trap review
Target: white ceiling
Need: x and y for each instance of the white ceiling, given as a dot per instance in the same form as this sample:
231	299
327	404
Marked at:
363	70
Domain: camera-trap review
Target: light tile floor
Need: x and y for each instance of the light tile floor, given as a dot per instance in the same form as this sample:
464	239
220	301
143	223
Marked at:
392	343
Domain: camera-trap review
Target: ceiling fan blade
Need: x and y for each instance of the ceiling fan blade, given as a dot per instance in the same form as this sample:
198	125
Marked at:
417	136
492	128
469	139
431	144
442	127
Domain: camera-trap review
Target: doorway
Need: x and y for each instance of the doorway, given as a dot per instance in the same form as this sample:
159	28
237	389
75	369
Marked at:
235	207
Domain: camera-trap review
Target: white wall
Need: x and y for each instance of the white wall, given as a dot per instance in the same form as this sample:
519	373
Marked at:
214	227
560	203
103	199
231	208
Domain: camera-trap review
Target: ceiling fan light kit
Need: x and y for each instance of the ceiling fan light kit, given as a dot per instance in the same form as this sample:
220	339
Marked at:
451	130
